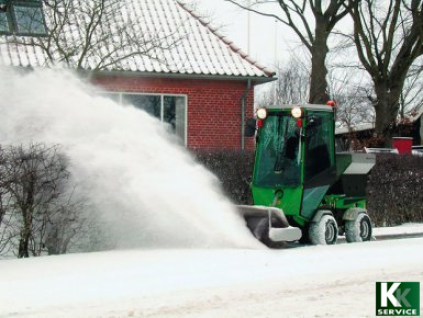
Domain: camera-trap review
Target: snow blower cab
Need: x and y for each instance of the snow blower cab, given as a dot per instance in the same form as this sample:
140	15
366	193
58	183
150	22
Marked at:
302	189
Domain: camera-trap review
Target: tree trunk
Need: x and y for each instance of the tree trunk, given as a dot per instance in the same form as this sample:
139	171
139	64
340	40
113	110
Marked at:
319	51
25	236
2	212
27	215
386	107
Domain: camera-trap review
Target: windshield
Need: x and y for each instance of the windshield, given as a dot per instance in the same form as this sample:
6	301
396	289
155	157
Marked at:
278	161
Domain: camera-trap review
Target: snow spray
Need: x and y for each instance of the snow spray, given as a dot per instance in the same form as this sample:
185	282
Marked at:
148	191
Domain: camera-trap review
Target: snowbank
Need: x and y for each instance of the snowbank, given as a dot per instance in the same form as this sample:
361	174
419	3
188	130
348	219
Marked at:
335	281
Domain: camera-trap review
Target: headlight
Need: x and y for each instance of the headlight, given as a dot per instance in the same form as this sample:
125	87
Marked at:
261	113
297	112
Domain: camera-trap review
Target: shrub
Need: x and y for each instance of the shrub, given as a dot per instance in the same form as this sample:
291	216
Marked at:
234	170
395	194
394	189
37	211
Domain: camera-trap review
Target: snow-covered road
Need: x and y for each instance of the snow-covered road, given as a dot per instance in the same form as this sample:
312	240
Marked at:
313	281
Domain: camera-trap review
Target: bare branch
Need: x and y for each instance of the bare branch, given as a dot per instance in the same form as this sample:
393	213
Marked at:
35	181
295	15
389	39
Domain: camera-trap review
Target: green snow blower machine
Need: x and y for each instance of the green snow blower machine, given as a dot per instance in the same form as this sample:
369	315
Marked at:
302	189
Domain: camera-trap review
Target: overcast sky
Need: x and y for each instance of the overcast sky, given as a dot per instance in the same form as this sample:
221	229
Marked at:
268	40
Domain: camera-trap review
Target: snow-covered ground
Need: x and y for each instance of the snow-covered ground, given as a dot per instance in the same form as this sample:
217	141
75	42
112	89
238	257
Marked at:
312	281
119	163
406	229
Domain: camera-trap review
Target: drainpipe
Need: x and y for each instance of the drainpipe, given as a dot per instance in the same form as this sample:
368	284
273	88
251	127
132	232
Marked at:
243	104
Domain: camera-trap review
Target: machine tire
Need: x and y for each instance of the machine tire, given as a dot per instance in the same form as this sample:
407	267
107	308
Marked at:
324	231
359	229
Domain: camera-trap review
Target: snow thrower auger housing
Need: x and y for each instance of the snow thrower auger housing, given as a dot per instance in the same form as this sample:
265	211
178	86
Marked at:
302	189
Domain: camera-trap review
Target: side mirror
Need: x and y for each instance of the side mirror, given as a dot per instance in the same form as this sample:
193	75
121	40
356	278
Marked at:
250	127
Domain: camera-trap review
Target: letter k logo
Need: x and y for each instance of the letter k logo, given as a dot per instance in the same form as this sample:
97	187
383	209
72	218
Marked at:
401	297
389	294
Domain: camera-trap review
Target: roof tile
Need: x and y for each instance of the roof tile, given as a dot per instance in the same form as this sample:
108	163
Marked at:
200	48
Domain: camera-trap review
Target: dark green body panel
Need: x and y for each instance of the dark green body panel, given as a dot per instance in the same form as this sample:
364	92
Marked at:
301	198
290	202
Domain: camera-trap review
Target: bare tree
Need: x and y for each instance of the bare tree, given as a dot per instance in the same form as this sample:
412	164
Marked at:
7	232
40	211
313	33
3	193
350	91
98	34
58	226
411	100
389	38
292	85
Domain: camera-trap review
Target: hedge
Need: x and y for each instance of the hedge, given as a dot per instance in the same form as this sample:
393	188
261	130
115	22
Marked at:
394	190
234	170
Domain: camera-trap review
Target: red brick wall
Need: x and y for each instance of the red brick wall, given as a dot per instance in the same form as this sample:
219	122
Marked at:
214	106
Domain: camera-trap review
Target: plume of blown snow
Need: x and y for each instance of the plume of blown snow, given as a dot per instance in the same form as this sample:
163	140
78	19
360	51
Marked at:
144	188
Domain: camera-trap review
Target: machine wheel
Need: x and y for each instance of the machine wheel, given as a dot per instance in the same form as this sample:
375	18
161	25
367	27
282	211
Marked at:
324	232
359	229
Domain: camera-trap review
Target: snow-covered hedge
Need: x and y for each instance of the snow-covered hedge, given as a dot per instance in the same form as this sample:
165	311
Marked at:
395	187
234	170
395	190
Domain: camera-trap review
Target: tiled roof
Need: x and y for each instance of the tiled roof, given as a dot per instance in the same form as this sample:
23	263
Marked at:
188	44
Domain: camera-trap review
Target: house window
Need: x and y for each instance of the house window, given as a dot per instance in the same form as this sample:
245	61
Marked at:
170	109
152	104
4	22
23	17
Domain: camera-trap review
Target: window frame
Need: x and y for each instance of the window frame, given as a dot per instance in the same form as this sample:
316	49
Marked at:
9	23
273	143
120	100
325	176
12	19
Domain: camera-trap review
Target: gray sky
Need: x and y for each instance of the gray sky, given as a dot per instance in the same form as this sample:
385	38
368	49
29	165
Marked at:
268	40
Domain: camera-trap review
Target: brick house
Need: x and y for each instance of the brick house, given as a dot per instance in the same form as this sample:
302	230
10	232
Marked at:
191	76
